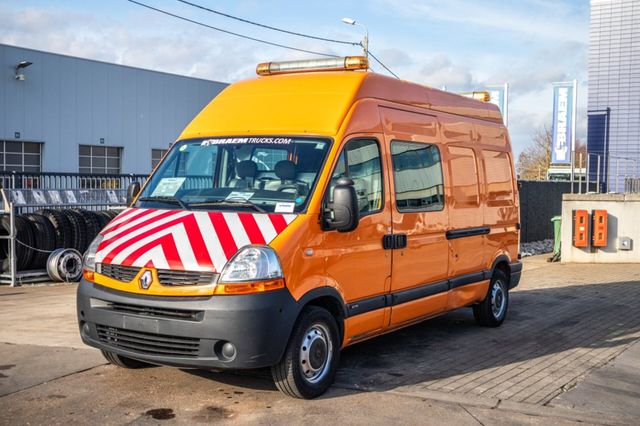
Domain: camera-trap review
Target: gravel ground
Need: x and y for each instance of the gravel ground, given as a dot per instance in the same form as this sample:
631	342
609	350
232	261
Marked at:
536	247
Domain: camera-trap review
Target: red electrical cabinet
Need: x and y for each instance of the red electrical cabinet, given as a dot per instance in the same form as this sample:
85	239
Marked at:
599	228
580	228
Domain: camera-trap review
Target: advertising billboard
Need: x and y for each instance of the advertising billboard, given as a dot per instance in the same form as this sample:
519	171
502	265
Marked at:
499	95
563	117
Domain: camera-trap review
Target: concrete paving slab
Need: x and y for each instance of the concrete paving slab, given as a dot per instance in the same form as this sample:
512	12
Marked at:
24	366
613	389
42	315
109	395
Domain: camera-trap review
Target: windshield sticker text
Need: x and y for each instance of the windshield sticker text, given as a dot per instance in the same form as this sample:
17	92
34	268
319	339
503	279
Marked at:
238	141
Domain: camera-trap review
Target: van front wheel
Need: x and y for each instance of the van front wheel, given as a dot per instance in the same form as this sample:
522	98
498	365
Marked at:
492	311
309	364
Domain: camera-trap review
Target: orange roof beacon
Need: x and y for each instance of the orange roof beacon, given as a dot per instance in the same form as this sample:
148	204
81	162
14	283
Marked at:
308	209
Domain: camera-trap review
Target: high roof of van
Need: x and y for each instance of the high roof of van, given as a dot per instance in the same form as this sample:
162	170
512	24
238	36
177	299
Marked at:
316	103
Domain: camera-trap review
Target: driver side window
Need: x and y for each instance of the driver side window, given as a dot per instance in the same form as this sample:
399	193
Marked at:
360	160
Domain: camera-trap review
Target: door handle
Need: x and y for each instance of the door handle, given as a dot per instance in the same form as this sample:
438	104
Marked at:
394	241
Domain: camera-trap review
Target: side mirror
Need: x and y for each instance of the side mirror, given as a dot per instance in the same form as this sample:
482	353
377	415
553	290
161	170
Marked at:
132	192
342	214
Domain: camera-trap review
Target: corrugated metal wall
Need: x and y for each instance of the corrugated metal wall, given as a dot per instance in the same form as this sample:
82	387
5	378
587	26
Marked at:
66	101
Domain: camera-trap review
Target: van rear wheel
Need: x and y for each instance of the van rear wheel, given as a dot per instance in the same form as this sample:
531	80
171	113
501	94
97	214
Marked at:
309	364
123	361
492	311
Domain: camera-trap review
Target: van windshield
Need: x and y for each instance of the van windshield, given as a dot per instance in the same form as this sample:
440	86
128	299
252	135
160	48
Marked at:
265	174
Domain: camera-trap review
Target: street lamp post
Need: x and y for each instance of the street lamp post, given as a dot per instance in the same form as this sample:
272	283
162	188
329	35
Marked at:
365	41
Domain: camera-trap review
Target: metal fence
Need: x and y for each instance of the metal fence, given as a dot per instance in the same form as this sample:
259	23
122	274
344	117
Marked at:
70	181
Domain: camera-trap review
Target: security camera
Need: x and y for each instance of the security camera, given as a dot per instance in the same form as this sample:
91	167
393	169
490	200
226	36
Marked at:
20	77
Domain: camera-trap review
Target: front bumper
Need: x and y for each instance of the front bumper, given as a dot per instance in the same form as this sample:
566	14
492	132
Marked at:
187	332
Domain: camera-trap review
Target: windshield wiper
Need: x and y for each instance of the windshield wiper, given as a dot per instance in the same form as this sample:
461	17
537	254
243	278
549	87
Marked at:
166	199
231	202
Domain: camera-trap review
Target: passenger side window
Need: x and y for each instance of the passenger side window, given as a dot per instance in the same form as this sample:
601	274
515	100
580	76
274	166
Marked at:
464	177
417	174
360	160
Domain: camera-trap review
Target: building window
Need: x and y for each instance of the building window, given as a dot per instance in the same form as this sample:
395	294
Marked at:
156	156
95	159
417	172
21	156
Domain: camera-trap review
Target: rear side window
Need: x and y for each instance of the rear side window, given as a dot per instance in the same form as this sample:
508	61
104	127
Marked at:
417	173
360	160
498	176
464	177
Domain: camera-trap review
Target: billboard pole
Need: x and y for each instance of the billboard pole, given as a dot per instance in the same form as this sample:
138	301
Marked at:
506	105
574	114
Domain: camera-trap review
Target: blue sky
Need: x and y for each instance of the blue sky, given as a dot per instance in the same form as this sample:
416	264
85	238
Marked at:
460	44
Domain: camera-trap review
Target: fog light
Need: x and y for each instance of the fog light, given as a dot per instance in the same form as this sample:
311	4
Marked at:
228	351
85	328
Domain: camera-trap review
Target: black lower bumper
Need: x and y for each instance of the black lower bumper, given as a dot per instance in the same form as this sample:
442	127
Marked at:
188	332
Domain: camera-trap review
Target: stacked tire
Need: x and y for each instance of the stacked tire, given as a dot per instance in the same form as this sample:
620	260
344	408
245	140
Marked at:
40	233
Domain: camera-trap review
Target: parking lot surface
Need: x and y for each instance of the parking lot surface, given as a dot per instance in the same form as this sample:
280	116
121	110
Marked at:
567	352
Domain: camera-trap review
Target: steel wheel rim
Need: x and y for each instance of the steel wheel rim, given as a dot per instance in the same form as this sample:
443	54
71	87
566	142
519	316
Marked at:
498	299
316	352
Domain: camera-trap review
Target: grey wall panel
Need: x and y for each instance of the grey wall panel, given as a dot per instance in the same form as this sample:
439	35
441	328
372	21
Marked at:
68	101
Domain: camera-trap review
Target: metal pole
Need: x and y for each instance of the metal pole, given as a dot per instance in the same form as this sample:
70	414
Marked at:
588	172
505	114
12	245
574	114
581	175
617	172
598	176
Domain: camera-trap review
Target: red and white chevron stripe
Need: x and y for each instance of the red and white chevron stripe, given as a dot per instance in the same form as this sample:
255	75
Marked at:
184	240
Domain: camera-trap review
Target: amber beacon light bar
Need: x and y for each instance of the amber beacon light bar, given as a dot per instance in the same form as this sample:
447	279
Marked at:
324	64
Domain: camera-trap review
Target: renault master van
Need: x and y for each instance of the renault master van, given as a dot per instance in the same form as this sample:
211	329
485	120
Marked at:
311	208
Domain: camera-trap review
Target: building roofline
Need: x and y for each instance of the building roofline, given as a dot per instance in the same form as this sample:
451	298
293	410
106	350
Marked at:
111	63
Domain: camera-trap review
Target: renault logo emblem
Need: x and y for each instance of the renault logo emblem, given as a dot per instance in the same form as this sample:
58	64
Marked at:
145	279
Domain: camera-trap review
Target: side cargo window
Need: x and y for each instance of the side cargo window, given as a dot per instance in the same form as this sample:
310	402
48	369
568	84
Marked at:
360	160
417	175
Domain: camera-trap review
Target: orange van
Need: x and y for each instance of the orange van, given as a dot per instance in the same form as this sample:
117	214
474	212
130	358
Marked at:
303	211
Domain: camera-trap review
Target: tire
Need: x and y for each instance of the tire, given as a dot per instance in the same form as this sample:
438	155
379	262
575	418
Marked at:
61	226
317	325
44	239
78	230
92	224
123	361
492	311
25	234
103	218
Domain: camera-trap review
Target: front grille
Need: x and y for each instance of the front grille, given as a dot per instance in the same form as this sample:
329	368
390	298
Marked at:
170	277
150	311
118	272
167	277
148	343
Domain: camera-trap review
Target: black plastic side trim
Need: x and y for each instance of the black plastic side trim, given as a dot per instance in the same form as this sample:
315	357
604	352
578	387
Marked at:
466	279
366	305
467	232
419	292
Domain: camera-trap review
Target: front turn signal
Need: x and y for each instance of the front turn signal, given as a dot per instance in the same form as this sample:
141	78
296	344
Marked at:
249	288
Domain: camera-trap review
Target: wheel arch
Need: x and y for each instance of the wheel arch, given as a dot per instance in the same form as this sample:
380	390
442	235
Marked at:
329	299
502	263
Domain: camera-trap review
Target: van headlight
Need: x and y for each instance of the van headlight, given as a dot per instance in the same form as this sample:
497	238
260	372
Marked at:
89	258
252	263
254	269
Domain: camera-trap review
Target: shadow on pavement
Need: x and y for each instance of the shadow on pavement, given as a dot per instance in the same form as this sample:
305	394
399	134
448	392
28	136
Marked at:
540	322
